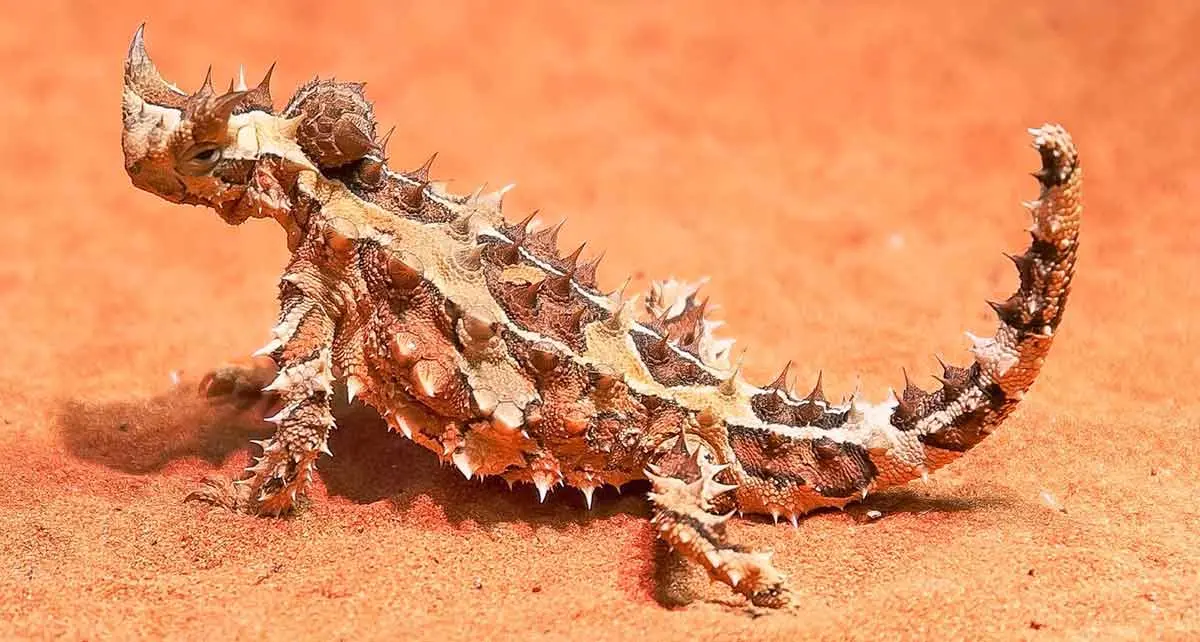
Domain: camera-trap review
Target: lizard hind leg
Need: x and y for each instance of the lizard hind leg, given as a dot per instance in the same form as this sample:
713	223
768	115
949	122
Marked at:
682	494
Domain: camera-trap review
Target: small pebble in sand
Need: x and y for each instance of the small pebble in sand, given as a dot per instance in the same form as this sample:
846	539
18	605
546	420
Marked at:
874	514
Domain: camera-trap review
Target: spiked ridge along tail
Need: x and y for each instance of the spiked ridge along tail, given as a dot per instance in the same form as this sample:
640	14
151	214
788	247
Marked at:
974	400
807	453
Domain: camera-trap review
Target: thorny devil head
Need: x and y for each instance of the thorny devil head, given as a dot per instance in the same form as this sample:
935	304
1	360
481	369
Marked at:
472	336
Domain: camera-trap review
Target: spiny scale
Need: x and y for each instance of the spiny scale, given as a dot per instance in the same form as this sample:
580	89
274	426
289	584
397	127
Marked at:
476	338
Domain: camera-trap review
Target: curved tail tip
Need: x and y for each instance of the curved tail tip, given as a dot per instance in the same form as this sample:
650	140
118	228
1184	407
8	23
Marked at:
1059	157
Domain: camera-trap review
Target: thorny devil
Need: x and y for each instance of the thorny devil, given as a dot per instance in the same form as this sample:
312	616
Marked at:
474	338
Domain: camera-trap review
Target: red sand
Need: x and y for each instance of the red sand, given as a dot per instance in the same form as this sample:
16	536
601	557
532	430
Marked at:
848	176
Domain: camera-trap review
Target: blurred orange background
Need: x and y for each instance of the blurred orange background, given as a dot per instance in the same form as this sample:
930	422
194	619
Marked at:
847	174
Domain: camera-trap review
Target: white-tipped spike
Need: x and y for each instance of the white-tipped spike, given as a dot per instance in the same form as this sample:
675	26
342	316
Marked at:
354	386
281	382
404	427
507	417
493	199
463	462
735	577
775	516
543	488
617	296
979	344
426	383
588	491
713	557
325	449
324	382
717	488
864	493
241	81
712	470
266	350
279	416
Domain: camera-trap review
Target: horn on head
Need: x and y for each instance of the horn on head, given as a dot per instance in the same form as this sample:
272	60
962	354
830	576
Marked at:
142	77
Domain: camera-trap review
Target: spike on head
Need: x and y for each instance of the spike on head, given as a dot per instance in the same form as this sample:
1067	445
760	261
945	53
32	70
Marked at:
258	98
142	77
206	87
240	85
186	148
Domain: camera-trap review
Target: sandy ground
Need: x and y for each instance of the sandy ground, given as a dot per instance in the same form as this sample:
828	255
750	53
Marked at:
847	173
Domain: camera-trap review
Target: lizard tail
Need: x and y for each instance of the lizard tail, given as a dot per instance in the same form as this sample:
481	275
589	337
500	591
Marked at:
855	448
974	400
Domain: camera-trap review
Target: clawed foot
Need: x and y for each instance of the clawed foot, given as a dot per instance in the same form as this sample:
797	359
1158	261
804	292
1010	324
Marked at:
237	497
219	491
240	385
274	483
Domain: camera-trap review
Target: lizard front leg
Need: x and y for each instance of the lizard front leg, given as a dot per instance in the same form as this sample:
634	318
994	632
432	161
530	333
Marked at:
302	348
242	383
681	495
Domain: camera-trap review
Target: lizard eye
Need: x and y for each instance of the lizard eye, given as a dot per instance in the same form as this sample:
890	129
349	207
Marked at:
200	160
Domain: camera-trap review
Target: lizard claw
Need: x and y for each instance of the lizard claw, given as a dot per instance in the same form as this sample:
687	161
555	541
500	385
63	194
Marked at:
219	491
774	597
239	385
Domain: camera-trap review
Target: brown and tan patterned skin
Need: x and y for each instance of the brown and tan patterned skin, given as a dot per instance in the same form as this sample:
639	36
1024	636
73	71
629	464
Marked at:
472	336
